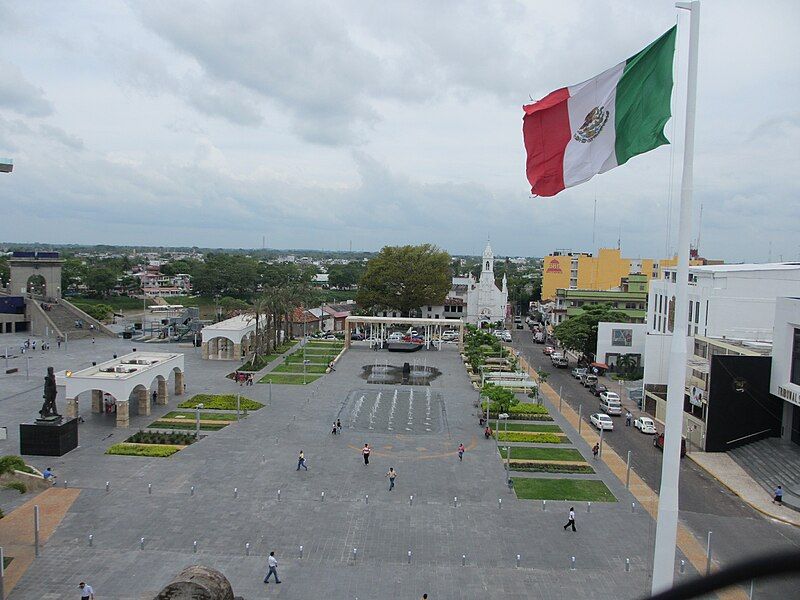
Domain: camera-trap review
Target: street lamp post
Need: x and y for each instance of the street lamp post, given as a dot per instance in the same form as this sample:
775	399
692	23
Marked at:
504	417
197	419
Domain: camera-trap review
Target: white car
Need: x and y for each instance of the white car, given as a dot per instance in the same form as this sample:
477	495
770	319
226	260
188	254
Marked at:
645	425
395	337
602	421
606	396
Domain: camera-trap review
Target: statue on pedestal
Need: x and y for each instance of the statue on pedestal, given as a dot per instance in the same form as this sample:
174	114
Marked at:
50	391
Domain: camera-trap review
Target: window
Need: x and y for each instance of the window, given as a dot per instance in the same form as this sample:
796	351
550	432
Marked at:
700	349
436	316
795	376
430	308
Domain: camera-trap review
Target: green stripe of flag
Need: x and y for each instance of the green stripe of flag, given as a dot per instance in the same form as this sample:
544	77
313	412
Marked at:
643	99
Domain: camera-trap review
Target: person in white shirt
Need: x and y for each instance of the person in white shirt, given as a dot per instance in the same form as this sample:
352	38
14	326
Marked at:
87	593
571	520
272	562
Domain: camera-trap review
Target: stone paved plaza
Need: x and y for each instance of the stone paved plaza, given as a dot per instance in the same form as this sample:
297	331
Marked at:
257	457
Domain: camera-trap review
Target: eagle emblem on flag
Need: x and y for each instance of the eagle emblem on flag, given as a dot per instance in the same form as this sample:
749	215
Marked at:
592	125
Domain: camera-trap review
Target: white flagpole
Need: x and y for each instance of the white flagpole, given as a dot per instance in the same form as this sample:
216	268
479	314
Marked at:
667	522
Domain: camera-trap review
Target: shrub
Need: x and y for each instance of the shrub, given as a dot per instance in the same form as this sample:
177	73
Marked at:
522	436
158	437
517	409
151	450
501	399
550	467
16	485
11	463
524	416
220	402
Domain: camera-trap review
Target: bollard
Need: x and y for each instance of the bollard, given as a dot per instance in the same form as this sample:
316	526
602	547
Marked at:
91	539
141	543
409	556
366	499
572	564
544	504
588	507
682	568
499	503
322	497
36	530
518	558
108	486
627	565
355	553
411	500
194	546
463	560
279	495
235	493
191	491
300	552
65	484
247	548
455	501
633	506
708	555
149	488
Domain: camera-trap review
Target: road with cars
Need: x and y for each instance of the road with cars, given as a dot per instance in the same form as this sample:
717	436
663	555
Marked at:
705	505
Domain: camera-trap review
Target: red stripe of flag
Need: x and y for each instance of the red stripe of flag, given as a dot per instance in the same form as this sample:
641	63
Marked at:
545	128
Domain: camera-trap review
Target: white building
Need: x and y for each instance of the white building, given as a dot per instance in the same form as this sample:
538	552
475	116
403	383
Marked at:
734	302
785	376
616	339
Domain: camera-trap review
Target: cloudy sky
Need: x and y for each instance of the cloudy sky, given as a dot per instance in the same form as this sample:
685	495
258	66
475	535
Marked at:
321	124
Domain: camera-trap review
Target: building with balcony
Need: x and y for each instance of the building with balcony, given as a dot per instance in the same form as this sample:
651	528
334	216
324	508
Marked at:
630	297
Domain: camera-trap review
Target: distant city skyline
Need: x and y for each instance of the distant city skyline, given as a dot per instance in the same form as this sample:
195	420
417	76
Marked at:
375	124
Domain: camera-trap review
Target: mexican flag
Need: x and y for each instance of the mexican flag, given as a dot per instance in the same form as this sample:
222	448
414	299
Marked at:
576	132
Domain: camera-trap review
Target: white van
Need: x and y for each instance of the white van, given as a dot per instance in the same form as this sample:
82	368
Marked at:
610	405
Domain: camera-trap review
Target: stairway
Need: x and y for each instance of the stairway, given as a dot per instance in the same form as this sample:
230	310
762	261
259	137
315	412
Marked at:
65	321
771	462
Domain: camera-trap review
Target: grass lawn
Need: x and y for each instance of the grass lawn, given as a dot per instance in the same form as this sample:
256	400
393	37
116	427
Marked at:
592	490
189	426
206	416
288	378
298	368
530	427
220	402
531	436
325	344
554	454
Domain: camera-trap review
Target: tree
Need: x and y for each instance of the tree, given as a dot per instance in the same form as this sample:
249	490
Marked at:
101	280
344	277
404	278
579	333
5	271
73	272
626	364
232	275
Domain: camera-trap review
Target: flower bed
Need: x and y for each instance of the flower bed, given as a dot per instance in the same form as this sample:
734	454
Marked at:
151	450
532	437
155	437
545	467
189	426
220	402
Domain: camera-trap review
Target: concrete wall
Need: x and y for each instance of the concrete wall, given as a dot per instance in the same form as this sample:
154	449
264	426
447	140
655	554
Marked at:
605	341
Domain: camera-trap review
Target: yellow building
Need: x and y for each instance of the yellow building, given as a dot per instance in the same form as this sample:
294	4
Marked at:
580	270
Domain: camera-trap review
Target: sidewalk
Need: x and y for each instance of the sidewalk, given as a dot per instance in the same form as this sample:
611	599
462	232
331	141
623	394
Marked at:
725	470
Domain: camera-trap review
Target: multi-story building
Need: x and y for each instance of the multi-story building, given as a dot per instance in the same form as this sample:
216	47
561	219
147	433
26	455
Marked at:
785	376
630	297
581	270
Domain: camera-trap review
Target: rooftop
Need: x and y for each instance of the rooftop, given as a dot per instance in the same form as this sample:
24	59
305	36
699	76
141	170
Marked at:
123	367
234	323
746	267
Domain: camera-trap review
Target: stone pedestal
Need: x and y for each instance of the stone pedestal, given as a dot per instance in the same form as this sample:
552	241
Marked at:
123	413
72	408
179	383
204	349
143	398
97	401
48	440
237	351
161	397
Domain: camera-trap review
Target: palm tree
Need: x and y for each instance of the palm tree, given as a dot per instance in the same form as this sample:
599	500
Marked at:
626	364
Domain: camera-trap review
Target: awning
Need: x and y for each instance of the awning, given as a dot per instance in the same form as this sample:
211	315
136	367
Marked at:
599	365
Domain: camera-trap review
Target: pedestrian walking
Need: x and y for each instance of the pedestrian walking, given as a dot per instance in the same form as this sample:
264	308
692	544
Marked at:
339	425
461	450
272	563
778	499
571	520
301	461
628	417
155	396
334	430
330	366
596	449
391	475
87	593
365	451
58	341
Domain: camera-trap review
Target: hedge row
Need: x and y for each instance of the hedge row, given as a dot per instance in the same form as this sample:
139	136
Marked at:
551	467
151	450
155	437
220	402
537	438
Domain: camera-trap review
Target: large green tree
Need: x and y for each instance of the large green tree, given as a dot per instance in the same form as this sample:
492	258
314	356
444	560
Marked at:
5	271
344	277
73	273
101	280
579	333
404	278
232	275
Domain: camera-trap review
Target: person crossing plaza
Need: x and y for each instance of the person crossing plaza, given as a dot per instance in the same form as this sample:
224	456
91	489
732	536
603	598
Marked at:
391	475
461	450
365	451
301	461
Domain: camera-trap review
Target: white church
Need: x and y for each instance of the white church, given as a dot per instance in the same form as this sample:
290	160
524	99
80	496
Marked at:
475	302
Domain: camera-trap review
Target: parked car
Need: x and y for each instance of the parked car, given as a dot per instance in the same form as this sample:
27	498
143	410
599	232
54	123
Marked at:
395	337
610	404
645	425
602	421
658	442
538	337
449	335
520	326
506	337
588	379
560	361
548	350
597	388
357	337
577	372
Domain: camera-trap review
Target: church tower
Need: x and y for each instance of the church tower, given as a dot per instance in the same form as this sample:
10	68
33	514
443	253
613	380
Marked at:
487	270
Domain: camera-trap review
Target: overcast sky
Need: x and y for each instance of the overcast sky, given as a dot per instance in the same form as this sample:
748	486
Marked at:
322	124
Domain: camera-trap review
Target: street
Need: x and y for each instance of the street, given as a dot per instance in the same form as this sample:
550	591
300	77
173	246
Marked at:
705	505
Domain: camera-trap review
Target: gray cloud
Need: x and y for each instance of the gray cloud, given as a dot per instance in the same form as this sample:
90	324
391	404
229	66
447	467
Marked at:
20	95
62	137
